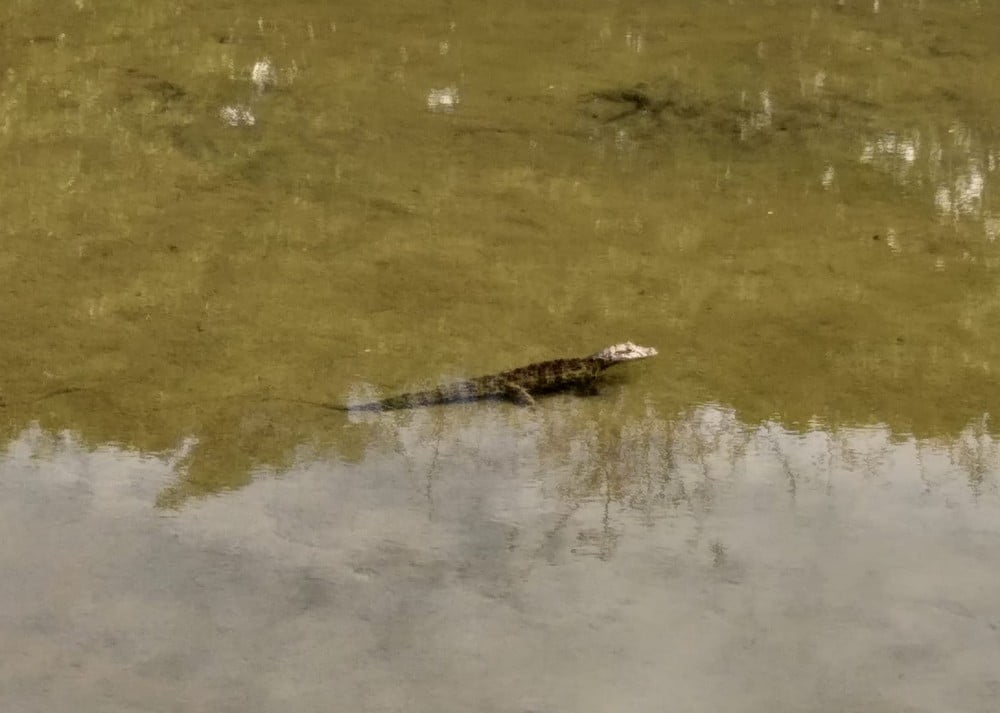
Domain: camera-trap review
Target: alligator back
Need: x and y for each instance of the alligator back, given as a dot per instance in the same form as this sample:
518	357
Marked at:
548	376
517	385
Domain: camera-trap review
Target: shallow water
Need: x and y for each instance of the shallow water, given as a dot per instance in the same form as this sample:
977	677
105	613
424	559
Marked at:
212	213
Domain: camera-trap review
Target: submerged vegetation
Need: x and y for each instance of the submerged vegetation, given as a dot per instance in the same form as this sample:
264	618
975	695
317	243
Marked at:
801	225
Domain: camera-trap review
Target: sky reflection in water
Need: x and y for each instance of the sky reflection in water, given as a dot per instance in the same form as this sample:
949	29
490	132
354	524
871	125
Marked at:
708	563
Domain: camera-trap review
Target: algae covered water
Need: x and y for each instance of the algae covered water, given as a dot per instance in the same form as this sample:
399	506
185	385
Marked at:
213	212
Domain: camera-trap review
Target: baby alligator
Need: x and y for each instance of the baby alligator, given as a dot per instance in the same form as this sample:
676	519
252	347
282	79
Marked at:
519	385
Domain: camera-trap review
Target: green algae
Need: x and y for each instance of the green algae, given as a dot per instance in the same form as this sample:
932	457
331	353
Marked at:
794	230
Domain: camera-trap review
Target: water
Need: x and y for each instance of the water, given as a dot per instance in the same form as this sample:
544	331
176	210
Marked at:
209	213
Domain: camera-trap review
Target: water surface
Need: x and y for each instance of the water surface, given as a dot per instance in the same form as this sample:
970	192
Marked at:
210	212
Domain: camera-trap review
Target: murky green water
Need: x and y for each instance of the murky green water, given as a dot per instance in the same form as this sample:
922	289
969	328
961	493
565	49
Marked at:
209	212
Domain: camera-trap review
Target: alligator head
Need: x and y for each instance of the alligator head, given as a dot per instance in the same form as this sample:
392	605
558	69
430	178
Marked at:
626	351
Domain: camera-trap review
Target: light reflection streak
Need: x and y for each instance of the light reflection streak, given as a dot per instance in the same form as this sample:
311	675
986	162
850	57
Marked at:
759	119
958	169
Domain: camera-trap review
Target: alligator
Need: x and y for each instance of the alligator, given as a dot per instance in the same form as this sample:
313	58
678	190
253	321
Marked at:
519	385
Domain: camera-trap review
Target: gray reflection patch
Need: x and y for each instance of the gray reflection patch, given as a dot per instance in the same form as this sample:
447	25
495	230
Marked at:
398	581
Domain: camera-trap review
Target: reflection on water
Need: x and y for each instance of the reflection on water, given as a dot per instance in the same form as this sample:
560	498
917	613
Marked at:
445	100
758	115
646	466
701	560
894	154
958	165
206	212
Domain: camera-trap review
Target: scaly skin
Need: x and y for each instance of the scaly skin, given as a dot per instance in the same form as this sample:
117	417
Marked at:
519	385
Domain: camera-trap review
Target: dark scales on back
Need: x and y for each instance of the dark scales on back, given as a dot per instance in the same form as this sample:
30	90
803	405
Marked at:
519	385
